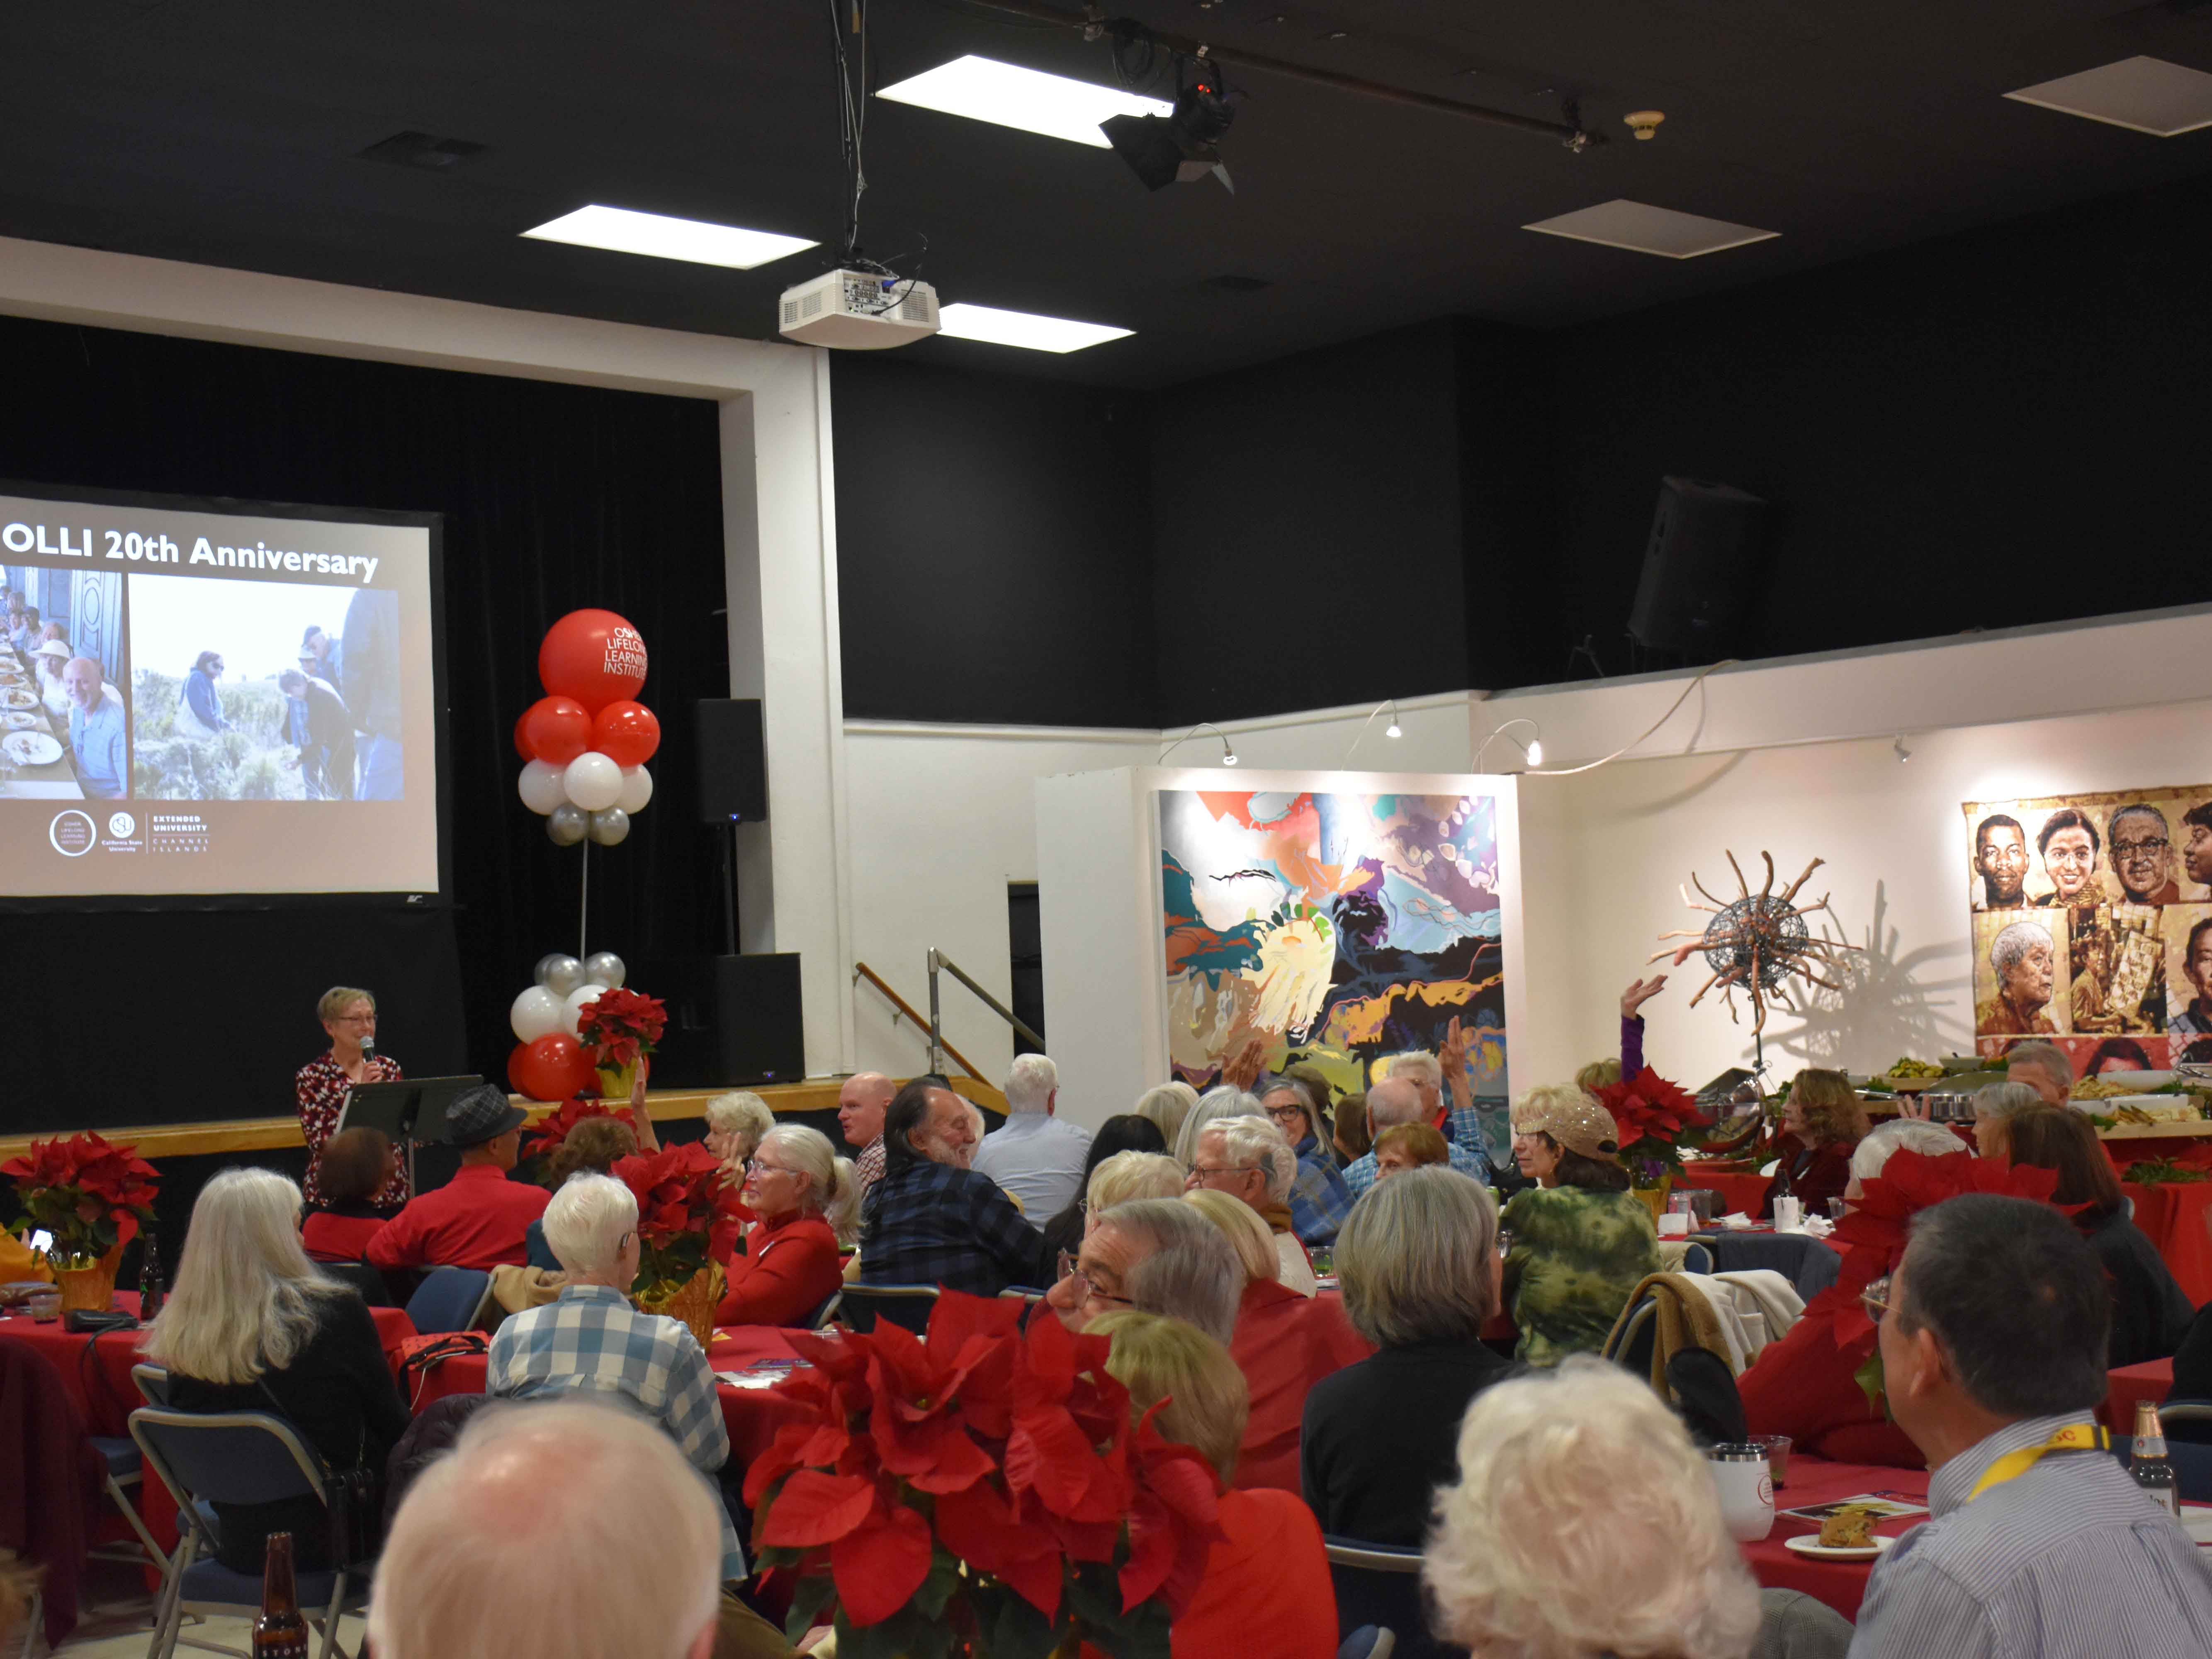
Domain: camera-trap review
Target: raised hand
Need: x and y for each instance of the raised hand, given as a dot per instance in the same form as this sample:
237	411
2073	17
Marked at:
1639	992
1242	1070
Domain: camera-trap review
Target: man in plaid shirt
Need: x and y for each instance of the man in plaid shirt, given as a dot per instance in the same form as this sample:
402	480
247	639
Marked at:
591	1341
930	1222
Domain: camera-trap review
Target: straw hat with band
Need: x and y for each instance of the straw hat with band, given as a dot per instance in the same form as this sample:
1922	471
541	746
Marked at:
1571	1118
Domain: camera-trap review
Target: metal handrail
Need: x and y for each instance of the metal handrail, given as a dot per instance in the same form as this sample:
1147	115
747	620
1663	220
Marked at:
862	971
938	960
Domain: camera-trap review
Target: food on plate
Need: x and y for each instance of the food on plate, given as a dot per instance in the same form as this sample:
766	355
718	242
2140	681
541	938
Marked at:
14	697
30	748
1850	1527
1910	1067
19	720
2096	1088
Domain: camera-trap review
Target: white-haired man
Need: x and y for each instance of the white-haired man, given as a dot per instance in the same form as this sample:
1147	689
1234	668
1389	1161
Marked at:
1158	1256
1250	1159
1396	1100
591	1340
1035	1156
2043	1068
561	1531
1460	1124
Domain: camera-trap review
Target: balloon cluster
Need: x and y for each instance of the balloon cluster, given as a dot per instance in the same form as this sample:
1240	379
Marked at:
551	1064
585	744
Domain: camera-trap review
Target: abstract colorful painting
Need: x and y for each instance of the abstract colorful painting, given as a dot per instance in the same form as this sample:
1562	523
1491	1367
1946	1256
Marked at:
1335	929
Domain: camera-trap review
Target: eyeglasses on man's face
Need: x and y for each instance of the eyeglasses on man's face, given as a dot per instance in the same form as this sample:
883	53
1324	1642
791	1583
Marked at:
1069	1268
1876	1298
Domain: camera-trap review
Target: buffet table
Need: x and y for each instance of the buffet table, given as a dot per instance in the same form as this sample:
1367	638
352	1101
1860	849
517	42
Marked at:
22	713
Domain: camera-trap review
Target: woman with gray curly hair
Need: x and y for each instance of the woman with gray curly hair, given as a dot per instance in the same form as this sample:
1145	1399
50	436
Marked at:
1515	1567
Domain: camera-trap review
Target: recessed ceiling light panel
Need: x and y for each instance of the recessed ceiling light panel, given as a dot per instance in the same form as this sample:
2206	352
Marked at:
985	89
1024	328
2145	94
621	230
1643	228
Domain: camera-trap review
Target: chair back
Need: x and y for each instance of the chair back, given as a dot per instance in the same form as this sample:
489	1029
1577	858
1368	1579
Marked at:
1697	1258
2193	1465
228	1457
2189	1421
1630	1348
909	1305
820	1318
1368	1641
1380	1585
364	1278
1705	1397
153	1382
450	1299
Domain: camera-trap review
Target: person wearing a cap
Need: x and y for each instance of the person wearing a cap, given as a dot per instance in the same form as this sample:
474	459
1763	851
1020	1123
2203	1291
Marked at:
478	1218
1582	1241
53	656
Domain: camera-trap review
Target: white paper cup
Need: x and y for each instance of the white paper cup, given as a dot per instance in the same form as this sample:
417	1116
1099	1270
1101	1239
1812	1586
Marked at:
1747	1490
1674	1224
1789	1214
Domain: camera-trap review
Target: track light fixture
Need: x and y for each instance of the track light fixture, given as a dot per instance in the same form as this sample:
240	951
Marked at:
1389	730
1176	148
1533	749
1901	751
1228	754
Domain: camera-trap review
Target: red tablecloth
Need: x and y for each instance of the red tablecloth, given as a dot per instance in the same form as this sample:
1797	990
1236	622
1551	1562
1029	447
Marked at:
1738	1191
752	1415
1841	1584
2130	1384
2177	1220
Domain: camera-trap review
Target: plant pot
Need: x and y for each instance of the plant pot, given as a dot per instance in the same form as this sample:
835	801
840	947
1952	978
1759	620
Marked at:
1654	1197
614	1084
91	1288
693	1302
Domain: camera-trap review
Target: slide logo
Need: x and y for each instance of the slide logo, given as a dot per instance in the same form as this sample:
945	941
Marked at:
72	833
122	824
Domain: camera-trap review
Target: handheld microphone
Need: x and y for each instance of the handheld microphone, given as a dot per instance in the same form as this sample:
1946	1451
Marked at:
368	1048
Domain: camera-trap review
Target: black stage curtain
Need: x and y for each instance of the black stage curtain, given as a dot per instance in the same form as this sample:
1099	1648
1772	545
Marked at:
554	497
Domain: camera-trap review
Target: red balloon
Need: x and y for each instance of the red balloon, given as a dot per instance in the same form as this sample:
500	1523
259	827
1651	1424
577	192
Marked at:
626	733
593	656
553	1068
521	744
557	730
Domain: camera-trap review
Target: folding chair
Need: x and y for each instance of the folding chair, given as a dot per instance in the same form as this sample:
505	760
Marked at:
820	1318
2192	1464
153	1382
207	1458
1028	1298
1632	1351
861	1305
1379	1586
450	1299
1705	1397
2187	1421
1368	1641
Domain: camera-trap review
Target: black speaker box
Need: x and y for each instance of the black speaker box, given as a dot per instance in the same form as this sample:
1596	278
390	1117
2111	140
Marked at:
731	1020
1697	567
733	763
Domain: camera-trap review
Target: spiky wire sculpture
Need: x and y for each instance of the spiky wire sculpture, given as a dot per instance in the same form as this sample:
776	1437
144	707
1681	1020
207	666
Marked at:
1757	942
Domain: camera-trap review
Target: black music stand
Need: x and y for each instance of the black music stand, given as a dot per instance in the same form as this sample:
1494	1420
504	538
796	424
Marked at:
409	1110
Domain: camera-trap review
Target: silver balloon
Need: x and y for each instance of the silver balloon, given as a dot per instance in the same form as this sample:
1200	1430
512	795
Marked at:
543	973
609	825
604	967
560	975
566	824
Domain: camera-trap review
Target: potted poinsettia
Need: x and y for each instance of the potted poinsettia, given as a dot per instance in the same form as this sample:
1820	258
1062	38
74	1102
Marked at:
979	1492
90	1198
548	1132
1654	1119
687	1220
619	1029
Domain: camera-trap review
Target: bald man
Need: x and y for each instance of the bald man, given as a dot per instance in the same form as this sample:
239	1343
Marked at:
1400	1098
99	734
861	1107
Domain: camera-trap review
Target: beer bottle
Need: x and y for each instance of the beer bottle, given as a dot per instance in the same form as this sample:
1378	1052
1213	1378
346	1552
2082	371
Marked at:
281	1632
2147	1460
151	1289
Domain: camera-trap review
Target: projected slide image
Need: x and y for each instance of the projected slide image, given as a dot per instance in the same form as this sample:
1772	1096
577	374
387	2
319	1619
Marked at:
264	690
64	718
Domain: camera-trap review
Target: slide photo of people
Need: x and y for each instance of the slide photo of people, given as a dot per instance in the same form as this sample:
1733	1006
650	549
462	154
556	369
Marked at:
246	690
2020	986
64	721
2094	1056
2127	870
2189	981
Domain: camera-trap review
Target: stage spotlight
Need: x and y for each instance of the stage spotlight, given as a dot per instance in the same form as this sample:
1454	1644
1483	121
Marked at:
1176	148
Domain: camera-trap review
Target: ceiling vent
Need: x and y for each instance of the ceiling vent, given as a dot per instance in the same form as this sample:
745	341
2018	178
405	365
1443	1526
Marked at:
1643	228
2144	95
422	149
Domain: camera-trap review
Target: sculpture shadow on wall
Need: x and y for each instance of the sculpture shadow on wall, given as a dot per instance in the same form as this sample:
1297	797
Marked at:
1885	1005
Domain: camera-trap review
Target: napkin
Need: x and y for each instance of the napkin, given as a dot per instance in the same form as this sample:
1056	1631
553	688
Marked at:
1735	1218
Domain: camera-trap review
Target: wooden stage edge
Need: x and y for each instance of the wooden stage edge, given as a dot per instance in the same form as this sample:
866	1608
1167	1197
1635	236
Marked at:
256	1134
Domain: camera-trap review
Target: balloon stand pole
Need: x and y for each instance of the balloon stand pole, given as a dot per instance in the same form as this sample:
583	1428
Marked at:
583	906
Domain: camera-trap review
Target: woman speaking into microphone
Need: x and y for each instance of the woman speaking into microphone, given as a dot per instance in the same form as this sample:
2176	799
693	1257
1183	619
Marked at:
349	1016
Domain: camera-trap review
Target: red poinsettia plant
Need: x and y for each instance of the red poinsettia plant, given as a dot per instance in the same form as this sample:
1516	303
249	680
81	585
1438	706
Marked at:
619	1026
553	1129
90	1196
1655	1118
979	1492
687	1216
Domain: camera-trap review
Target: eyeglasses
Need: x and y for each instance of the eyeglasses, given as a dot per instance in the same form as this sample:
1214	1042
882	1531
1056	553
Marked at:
756	1167
1202	1170
1068	1270
1288	1114
356	1019
2140	849
1876	1298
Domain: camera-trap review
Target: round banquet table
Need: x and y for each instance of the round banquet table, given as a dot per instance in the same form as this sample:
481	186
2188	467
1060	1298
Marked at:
1841	1584
2177	1218
1738	1190
2128	1386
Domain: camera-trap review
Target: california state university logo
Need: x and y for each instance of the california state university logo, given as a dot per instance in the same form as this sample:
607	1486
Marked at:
625	653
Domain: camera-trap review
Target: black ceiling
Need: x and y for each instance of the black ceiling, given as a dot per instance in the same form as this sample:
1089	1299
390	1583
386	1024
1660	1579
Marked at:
227	132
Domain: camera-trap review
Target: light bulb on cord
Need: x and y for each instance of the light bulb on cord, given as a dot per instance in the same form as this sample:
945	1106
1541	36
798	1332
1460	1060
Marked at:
1392	731
1229	757
1536	751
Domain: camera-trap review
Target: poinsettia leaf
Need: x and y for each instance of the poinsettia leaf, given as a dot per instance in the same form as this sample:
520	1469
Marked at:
1047	1454
958	1319
958	1463
815	1508
1036	1582
1047	1369
1153	1540
881	1564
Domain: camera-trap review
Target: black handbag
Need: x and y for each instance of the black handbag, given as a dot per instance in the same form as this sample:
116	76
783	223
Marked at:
352	1502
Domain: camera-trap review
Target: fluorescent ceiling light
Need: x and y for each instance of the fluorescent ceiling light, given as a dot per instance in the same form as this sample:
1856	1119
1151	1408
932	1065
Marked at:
2146	94
984	90
622	230
1021	328
1643	228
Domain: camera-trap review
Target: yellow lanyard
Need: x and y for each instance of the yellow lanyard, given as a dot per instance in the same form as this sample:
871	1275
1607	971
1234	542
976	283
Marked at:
2074	1437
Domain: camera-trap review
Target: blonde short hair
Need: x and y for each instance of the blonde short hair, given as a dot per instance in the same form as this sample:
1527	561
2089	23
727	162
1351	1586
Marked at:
1517	1570
1598	1074
339	998
740	1112
592	1505
1157	1358
1127	1176
1247	1234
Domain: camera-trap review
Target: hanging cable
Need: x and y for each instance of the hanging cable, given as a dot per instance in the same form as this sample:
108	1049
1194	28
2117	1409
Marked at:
1592	766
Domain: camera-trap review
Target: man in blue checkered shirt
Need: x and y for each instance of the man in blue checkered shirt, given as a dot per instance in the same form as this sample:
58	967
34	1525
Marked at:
591	1341
929	1220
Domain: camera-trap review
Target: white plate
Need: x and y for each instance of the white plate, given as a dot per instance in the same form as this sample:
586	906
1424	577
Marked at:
16	697
1809	1544
30	748
18	720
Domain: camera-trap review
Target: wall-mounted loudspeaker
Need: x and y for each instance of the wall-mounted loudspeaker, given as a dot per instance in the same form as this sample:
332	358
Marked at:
733	764
731	1020
1698	567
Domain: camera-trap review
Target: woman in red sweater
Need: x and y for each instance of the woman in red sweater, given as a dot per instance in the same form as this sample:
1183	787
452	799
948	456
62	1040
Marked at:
350	1169
808	1202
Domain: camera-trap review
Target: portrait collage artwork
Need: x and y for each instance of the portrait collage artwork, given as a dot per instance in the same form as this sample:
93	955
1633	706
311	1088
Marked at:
2093	926
1336	930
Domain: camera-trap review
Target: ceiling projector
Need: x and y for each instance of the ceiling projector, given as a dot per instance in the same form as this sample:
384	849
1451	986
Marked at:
859	311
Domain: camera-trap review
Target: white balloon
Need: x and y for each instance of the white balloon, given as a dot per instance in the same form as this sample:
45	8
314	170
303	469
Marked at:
540	786
536	1013
593	781
637	789
572	1011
